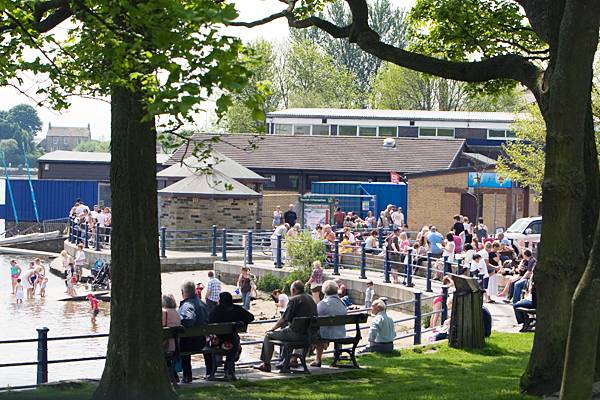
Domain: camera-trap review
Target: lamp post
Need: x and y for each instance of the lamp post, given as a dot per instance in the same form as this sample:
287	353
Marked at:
477	180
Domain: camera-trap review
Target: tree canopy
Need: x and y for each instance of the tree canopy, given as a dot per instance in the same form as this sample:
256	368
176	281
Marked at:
18	127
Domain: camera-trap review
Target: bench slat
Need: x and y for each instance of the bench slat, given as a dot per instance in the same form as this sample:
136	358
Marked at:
224	328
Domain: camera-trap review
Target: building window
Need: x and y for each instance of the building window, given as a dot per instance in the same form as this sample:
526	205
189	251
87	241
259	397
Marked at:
66	141
387	131
367	131
301	129
436	132
46	167
500	134
321	130
283	129
347	130
54	140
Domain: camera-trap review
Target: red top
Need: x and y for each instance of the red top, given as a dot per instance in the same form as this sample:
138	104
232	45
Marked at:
94	303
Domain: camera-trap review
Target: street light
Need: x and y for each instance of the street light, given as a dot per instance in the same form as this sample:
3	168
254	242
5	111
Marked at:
477	180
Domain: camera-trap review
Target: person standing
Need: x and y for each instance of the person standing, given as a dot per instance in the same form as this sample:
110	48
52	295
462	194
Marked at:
244	282
277	217
281	230
15	272
398	218
18	291
458	226
290	216
94	306
79	259
192	313
482	230
369	294
435	240
213	290
338	218
316	277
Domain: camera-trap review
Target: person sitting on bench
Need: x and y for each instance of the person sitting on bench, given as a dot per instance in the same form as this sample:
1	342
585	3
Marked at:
331	305
529	302
192	313
226	311
300	305
382	331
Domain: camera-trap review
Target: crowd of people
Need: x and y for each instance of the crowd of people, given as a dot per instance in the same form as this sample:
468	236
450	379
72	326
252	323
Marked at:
28	282
83	218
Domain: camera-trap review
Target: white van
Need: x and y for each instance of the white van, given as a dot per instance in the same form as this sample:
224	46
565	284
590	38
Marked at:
525	230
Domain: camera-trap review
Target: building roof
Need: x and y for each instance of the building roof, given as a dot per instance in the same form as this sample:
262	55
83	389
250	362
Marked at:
65	156
213	185
412	115
218	161
480	158
333	153
71	131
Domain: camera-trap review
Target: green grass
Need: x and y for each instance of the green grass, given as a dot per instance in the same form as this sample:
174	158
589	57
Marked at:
430	373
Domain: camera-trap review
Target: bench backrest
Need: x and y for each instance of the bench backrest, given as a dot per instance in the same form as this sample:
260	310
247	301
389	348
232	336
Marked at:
305	323
222	328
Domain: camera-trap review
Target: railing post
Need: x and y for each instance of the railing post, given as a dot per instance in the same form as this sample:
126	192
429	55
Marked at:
428	289
278	250
363	261
446	265
249	248
163	242
336	257
86	236
214	241
386	267
459	267
380	236
417	328
224	245
409	268
42	356
444	303
97	244
71	236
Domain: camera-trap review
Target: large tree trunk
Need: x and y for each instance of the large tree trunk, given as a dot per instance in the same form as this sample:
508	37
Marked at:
135	365
562	253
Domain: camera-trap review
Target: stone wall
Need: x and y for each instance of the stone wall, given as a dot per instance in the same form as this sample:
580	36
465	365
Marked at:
274	198
430	204
187	212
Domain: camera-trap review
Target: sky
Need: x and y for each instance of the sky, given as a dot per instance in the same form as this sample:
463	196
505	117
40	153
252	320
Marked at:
97	112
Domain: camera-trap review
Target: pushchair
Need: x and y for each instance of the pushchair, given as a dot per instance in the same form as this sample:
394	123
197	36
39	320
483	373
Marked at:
100	276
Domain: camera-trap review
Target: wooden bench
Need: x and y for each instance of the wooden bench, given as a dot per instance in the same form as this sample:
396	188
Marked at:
309	324
220	329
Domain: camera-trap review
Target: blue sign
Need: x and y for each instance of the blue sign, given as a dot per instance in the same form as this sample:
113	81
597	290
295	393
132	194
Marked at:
488	180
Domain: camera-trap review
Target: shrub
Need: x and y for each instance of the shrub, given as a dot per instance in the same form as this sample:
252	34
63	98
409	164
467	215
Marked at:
303	250
298	274
269	282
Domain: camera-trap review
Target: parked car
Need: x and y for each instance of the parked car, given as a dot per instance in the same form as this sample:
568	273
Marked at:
525	232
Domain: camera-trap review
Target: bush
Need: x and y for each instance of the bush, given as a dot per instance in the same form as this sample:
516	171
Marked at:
298	274
303	250
269	282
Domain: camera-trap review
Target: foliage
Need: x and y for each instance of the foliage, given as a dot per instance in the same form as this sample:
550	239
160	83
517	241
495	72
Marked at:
448	373
93	146
18	127
269	282
304	249
300	273
385	19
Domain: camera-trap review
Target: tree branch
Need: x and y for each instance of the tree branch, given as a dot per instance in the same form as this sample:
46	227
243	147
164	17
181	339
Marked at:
258	22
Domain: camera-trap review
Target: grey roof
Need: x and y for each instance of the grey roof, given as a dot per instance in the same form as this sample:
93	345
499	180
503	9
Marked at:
213	185
480	158
411	115
333	153
87	157
218	161
70	131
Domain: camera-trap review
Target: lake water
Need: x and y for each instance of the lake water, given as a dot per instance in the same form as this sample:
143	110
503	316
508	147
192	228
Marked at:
62	318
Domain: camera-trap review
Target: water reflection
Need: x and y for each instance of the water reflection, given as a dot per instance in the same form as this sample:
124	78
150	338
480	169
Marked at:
63	318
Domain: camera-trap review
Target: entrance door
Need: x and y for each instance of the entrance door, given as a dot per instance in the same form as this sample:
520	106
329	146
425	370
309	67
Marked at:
468	206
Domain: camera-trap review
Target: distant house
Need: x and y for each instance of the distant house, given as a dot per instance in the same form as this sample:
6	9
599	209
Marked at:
66	137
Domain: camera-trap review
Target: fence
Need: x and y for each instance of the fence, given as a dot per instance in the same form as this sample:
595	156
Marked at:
42	362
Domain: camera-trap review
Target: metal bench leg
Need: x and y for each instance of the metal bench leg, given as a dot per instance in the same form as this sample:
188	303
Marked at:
287	354
336	354
303	359
353	355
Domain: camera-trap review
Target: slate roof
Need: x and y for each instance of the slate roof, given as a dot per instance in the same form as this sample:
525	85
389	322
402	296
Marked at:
333	153
213	185
70	131
218	161
414	115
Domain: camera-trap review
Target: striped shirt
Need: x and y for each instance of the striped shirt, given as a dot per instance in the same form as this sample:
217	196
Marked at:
213	289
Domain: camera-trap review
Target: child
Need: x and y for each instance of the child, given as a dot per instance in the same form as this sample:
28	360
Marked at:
43	287
369	293
94	305
19	291
199	289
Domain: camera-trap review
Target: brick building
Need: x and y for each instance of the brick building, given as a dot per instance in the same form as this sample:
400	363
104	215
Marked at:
66	137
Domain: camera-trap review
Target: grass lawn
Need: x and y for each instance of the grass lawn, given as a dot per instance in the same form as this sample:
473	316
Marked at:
430	373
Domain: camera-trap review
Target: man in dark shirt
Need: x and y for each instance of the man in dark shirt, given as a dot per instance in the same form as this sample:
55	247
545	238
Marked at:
290	216
300	305
192	313
458	226
338	218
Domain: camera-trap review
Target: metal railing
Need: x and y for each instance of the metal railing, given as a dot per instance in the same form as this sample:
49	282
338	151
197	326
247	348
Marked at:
42	362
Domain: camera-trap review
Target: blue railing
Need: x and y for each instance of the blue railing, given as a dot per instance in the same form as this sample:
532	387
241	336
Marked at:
42	362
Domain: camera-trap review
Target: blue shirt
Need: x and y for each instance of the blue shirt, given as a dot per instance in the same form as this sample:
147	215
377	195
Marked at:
435	240
329	306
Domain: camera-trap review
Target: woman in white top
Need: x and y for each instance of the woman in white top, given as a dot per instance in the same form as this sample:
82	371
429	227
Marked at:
281	301
449	247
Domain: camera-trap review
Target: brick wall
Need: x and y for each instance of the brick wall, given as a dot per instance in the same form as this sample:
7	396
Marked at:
186	212
274	198
428	202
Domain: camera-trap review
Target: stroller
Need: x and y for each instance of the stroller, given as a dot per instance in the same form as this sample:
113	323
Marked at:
100	276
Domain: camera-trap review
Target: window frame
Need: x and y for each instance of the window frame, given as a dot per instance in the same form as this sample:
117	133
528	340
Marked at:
368	127
394	128
505	137
344	126
437	136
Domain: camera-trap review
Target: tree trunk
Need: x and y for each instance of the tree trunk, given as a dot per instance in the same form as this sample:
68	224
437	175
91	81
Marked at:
580	363
562	253
135	365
